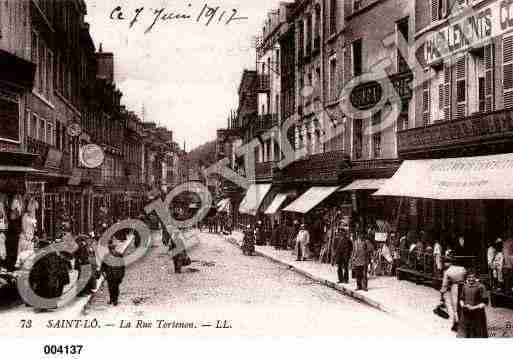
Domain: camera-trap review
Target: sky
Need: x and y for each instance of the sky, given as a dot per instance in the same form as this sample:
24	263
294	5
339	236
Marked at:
186	74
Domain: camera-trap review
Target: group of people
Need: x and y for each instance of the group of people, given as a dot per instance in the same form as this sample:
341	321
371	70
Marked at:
219	222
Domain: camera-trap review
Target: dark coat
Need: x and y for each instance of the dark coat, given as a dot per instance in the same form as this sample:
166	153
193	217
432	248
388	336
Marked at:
344	250
49	275
114	274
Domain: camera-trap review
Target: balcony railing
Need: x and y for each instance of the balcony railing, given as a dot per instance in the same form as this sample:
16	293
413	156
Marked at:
476	129
263	83
265	122
41	148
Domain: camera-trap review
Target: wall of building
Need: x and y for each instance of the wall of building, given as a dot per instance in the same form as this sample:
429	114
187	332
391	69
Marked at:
374	22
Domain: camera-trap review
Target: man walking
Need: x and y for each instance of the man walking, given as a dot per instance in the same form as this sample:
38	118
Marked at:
453	277
360	262
343	256
114	272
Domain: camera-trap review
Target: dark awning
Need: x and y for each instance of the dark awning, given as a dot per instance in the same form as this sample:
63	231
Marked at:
17	71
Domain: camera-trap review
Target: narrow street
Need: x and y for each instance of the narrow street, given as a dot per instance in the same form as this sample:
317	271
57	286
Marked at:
254	295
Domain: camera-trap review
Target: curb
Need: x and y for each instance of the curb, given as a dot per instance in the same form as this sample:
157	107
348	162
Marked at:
91	296
331	284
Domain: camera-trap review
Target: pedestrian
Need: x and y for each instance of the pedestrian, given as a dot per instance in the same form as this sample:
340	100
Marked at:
507	269
114	272
302	241
472	301
49	275
497	265
343	256
360	262
248	241
452	279
490	256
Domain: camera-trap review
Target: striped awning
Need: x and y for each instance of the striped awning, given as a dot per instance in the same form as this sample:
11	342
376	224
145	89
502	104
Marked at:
253	199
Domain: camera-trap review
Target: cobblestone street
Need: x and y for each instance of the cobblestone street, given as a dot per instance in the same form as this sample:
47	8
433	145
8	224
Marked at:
254	295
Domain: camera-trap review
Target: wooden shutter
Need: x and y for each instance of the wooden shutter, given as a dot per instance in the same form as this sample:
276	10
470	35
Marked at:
447	92
441	95
434	10
348	65
489	77
461	87
426	103
507	50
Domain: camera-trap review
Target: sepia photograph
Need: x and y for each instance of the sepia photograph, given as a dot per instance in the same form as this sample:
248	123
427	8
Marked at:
255	168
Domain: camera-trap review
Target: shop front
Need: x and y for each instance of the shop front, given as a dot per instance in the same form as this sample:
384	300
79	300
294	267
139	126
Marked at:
452	200
249	208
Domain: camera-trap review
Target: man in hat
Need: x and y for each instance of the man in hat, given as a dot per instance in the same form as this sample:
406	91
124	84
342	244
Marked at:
453	277
114	273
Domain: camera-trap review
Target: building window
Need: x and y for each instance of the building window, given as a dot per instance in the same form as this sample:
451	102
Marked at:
358	138
461	87
357	5
402	29
426	100
507	48
333	79
376	137
357	58
333	17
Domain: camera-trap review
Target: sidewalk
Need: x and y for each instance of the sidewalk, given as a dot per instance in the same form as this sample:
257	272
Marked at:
399	298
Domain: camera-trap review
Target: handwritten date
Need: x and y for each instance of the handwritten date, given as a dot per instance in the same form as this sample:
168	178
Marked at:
207	15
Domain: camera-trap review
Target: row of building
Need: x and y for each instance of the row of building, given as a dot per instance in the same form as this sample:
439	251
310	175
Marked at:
58	97
325	72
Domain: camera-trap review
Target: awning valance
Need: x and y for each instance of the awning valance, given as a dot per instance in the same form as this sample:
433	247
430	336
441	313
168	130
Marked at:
276	204
310	199
254	197
481	177
365	184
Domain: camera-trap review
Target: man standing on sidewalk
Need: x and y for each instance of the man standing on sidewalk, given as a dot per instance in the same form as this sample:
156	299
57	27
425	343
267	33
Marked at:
302	241
360	262
343	256
114	274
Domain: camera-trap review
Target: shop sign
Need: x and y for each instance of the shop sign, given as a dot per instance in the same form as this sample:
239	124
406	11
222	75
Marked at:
91	156
366	95
470	31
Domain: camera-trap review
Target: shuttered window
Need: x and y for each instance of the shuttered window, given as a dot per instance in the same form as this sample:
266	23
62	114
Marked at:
489	60
426	101
507	64
441	94
461	87
447	92
434	10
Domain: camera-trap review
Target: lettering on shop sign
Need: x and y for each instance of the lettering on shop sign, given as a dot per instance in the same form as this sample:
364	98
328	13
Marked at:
204	14
472	166
471	29
366	95
448	184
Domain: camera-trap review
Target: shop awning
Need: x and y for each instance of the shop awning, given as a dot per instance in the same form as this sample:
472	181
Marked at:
254	197
19	169
276	203
481	177
310	199
365	184
223	205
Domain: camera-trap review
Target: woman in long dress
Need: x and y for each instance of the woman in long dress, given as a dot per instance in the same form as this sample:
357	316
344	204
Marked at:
29	225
